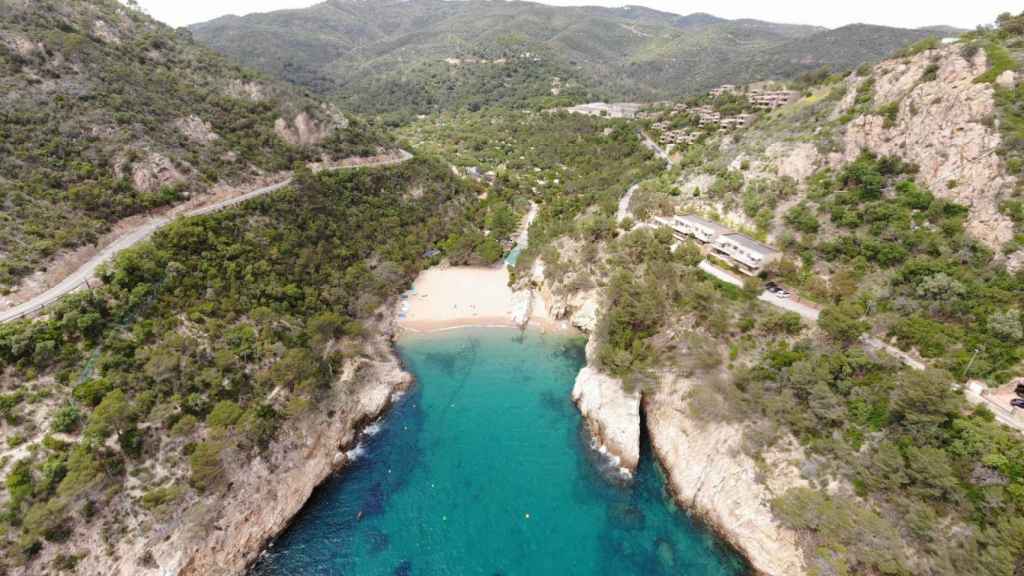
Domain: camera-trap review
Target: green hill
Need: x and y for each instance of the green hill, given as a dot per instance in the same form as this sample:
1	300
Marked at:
422	56
107	113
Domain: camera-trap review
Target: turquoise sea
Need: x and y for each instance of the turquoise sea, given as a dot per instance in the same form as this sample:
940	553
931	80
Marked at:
484	470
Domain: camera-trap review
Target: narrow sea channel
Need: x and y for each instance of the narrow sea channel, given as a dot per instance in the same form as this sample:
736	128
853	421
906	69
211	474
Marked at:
484	470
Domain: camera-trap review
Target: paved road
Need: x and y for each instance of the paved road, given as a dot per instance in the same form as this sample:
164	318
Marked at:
810	313
1003	415
79	277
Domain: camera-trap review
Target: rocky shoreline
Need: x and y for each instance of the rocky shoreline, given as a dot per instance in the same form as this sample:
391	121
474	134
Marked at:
709	475
227	536
319	448
611	414
705	468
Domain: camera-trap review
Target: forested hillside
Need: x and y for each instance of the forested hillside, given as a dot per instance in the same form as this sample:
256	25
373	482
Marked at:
145	400
559	161
107	113
422	56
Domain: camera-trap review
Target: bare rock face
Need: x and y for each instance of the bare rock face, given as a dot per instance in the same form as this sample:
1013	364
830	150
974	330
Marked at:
197	130
151	173
943	126
1007	79
582	308
611	413
106	32
797	161
585	317
242	90
522	307
711	477
1015	262
24	47
700	182
612	416
265	506
301	131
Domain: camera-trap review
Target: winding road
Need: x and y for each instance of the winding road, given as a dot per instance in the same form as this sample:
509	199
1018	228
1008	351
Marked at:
84	273
809	313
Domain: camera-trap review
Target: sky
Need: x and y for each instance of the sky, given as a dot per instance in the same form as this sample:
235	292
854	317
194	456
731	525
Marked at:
903	13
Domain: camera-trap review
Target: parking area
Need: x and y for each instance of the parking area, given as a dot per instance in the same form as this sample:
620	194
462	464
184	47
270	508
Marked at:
1003	396
789	302
998	401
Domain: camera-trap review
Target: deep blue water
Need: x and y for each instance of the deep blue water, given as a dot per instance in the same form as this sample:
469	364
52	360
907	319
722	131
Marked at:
484	470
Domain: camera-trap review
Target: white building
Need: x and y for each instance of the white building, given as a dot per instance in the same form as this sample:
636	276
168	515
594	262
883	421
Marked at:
746	254
691	226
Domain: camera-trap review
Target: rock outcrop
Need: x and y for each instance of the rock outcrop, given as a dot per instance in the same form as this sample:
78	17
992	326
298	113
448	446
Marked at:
712	478
151	173
306	130
246	90
611	413
797	161
580	308
224	534
612	416
944	126
196	129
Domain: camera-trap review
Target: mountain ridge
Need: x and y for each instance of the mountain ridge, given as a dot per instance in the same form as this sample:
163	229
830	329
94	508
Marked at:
361	54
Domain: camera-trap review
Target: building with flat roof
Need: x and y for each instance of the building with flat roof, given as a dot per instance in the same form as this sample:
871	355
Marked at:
743	252
772	99
746	254
692	226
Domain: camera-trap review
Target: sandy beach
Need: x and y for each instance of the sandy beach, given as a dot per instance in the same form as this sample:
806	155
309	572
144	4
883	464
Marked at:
448	298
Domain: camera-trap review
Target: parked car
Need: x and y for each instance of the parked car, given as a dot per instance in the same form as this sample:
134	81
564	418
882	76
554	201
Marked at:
779	291
1017	403
1020	390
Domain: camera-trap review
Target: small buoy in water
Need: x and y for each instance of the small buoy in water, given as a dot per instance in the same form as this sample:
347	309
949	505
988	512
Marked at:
527	515
359	516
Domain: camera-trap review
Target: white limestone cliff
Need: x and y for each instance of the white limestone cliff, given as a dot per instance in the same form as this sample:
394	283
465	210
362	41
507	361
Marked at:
612	416
714	480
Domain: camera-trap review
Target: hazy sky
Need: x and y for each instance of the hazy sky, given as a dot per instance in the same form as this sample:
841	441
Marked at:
906	13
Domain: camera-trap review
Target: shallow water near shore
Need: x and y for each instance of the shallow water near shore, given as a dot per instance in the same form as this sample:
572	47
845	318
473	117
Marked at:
484	470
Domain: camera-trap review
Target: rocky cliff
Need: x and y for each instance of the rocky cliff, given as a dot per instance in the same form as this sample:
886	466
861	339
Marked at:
943	123
714	480
612	415
224	534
